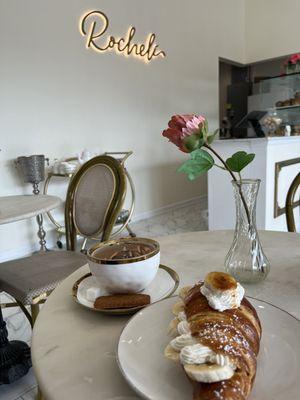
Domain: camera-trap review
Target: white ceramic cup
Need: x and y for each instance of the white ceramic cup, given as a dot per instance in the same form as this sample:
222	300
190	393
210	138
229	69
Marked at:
129	275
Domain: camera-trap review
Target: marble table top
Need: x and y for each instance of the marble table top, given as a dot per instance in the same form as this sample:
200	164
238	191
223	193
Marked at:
16	208
74	350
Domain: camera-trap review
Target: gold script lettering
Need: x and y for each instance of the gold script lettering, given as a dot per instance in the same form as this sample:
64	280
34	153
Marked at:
94	26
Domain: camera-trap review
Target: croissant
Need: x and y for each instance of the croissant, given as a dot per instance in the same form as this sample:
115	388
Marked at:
217	338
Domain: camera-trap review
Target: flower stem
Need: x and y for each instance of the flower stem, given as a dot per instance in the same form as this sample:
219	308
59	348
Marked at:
220	166
234	178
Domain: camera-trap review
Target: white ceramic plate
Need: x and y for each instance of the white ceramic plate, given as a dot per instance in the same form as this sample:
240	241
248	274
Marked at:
164	285
152	376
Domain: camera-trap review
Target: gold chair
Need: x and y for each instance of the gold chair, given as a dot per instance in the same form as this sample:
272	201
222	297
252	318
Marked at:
290	204
94	199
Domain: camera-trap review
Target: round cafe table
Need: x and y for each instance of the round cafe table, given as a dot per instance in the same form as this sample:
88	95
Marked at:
74	350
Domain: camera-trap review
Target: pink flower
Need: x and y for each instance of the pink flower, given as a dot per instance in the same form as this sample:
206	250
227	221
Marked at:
182	126
193	125
293	59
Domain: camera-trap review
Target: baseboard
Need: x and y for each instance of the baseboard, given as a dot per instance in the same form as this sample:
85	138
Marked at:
13	254
169	207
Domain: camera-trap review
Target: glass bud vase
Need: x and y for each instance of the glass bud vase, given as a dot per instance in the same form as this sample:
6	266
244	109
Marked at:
246	260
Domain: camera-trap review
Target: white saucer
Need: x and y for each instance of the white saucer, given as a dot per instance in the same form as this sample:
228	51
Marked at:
164	285
142	362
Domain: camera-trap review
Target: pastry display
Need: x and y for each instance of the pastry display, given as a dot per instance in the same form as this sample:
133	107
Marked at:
215	338
289	102
296	130
272	123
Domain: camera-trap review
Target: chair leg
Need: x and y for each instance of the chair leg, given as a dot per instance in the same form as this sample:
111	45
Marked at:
35	308
130	231
40	395
25	311
83	249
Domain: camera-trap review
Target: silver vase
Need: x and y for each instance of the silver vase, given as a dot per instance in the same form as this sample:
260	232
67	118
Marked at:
33	169
246	260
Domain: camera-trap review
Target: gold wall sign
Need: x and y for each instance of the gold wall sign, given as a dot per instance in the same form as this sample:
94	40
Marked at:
94	25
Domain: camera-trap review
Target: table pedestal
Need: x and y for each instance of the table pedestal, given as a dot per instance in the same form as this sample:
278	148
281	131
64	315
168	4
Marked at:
15	359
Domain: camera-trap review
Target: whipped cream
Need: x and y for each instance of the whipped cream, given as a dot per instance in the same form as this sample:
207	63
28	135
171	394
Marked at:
196	354
182	341
222	300
183	328
199	354
181	316
222	360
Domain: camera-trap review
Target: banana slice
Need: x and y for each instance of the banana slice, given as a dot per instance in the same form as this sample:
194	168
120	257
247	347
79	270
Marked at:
220	281
172	331
184	291
177	307
208	373
171	354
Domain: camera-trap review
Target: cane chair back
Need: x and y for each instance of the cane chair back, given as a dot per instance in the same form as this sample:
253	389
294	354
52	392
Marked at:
290	204
95	197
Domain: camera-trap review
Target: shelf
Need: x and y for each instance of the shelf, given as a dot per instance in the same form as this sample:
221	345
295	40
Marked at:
296	106
296	74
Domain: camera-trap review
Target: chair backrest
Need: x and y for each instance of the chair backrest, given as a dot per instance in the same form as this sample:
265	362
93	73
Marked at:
290	204
94	199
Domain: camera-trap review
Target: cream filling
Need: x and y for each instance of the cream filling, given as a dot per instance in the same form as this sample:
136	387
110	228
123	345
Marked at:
223	300
183	328
196	354
181	316
199	354
181	341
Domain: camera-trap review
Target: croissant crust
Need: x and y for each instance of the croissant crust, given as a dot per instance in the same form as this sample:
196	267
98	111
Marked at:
235	333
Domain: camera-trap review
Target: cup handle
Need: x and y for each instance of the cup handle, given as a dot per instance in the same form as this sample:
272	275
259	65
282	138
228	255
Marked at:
173	274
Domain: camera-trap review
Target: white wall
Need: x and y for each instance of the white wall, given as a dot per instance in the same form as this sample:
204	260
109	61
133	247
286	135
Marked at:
272	28
57	97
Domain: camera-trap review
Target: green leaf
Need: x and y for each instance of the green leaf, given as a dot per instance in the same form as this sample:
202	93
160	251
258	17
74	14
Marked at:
193	142
210	138
200	162
239	161
202	156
